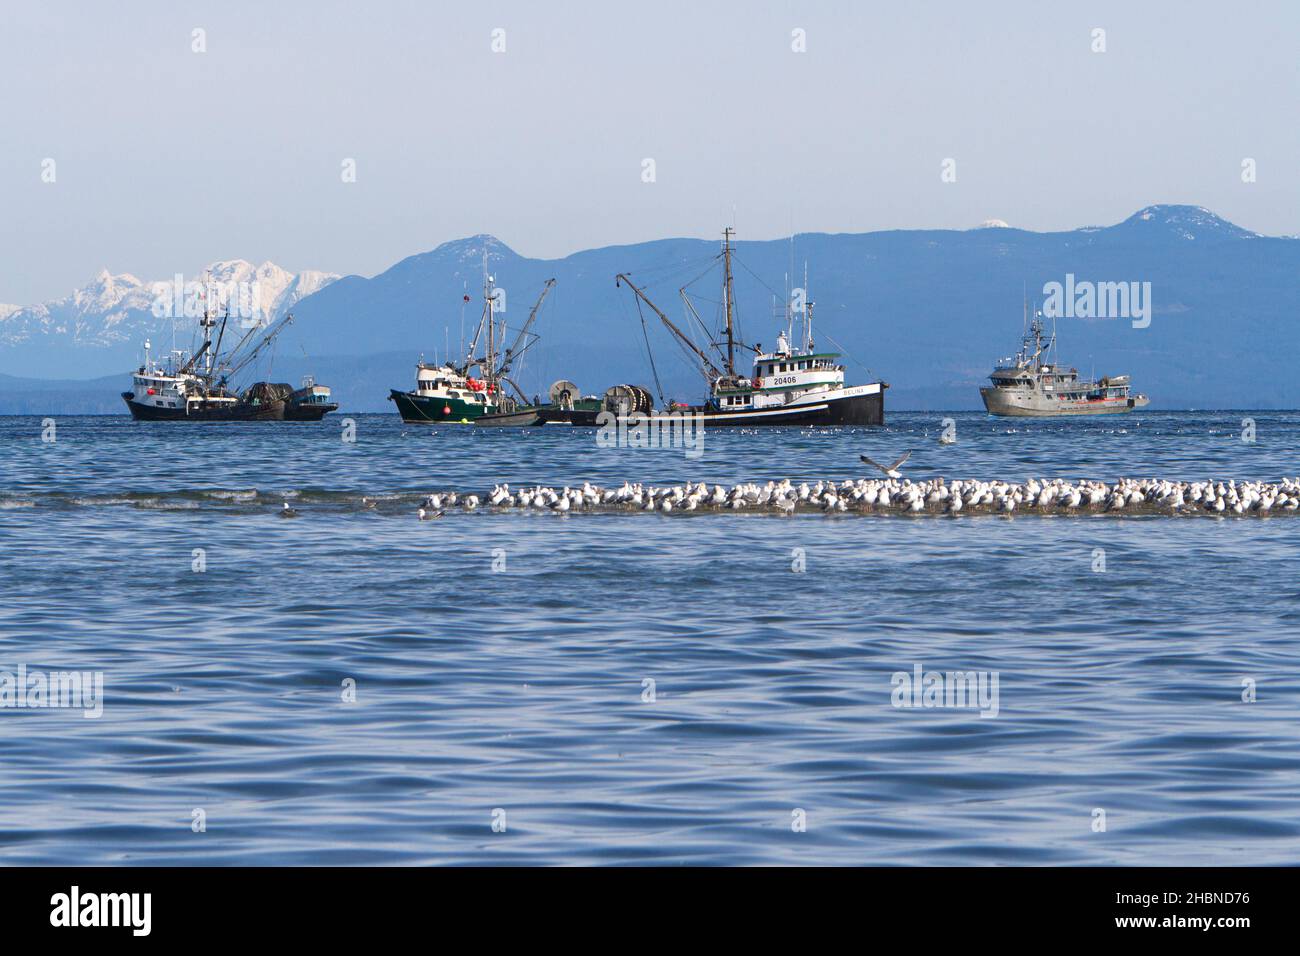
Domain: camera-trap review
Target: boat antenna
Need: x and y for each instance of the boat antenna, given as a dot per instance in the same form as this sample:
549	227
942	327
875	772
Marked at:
464	301
807	310
490	355
789	278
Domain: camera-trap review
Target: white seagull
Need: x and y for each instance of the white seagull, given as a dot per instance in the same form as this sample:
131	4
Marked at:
892	471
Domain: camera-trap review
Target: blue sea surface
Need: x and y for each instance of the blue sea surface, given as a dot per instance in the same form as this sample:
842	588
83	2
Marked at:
640	688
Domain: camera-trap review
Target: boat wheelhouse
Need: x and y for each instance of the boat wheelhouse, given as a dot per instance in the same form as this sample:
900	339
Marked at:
310	402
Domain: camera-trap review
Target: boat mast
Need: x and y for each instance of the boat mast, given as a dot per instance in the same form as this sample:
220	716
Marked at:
222	333
727	295
207	323
488	365
485	320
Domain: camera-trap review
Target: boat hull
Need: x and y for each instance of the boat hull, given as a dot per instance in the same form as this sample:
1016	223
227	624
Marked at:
1008	403
423	410
194	412
307	412
519	418
858	406
550	415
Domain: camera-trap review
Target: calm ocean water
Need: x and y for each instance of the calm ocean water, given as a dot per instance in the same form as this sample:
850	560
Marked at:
525	690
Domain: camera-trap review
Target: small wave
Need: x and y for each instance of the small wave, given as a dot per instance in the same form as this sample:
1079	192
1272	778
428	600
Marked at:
165	504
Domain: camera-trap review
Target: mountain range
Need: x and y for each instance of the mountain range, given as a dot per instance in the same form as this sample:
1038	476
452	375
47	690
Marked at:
929	311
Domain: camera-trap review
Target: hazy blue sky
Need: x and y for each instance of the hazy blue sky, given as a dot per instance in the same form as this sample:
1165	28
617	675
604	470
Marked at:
168	159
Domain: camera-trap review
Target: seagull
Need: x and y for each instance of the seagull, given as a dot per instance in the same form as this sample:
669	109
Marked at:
892	471
287	512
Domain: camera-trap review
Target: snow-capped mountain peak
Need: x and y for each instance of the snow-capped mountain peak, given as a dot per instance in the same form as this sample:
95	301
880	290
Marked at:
1186	222
114	310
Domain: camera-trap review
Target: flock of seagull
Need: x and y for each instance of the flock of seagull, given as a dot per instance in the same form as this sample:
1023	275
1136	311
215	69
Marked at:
895	494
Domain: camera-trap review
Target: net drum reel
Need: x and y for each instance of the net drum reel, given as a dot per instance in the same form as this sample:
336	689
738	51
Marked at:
563	394
624	400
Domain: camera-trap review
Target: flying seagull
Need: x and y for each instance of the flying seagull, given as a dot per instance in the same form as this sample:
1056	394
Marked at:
892	471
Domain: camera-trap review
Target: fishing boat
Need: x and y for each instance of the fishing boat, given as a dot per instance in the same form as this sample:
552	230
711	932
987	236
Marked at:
451	393
482	389
196	387
1034	384
790	385
443	393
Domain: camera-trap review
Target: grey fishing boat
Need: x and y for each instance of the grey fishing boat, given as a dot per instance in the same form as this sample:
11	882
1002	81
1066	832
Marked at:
1033	384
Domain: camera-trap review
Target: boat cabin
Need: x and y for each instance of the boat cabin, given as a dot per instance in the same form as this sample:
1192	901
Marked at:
154	387
442	381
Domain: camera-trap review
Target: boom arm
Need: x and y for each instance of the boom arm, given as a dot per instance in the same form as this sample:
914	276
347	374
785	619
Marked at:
270	336
514	351
682	336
